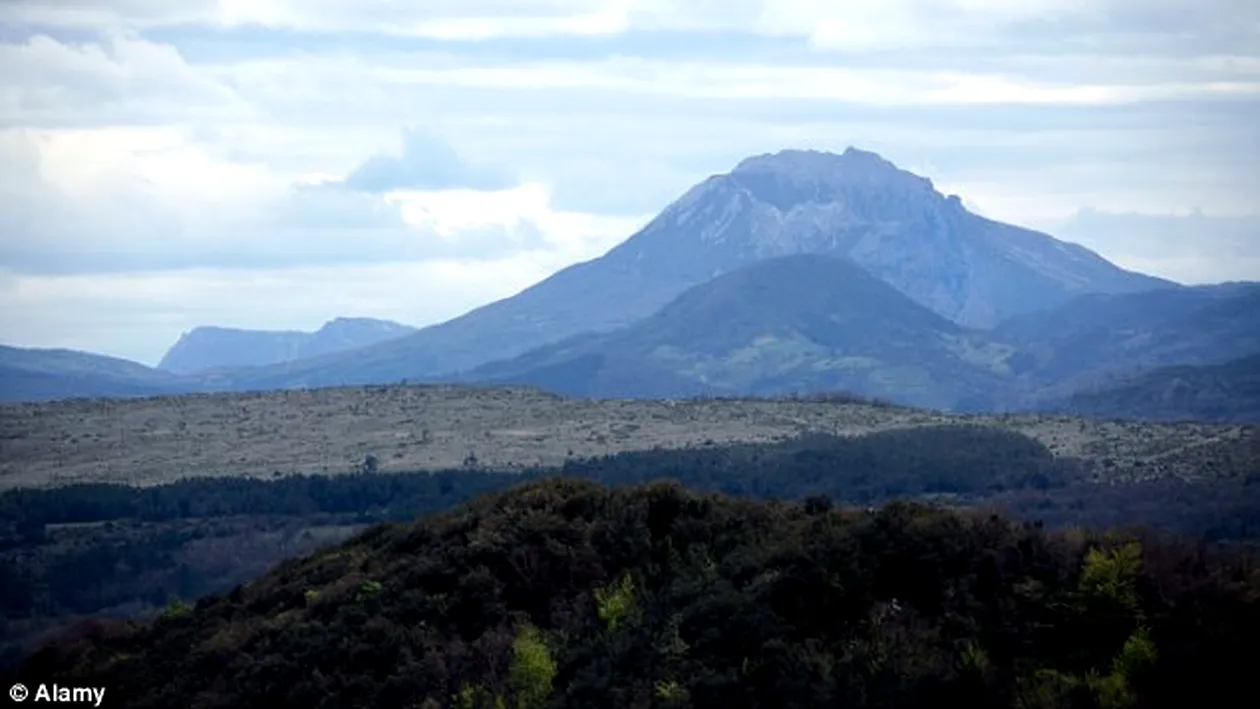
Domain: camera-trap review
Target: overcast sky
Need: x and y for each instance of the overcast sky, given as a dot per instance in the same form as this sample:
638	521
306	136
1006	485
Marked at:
277	163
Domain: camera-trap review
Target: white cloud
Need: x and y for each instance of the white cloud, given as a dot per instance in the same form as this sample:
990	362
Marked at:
1061	26
849	25
85	196
113	199
424	162
845	25
450	213
741	80
110	14
1011	200
1184	244
84	164
438	19
121	79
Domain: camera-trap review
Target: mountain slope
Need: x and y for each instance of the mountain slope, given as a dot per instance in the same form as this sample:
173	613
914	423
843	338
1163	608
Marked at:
785	324
1090	315
205	349
48	374
1228	392
1097	341
855	205
791	324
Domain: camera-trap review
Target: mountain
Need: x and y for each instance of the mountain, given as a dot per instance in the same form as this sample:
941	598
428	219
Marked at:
857	205
210	348
1228	392
565	594
49	374
787	324
1092	316
895	224
810	323
1098	341
215	348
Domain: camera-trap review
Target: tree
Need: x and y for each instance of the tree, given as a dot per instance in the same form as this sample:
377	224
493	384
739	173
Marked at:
532	669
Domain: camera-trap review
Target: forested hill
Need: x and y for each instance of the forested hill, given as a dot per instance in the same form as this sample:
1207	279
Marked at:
565	593
1220	392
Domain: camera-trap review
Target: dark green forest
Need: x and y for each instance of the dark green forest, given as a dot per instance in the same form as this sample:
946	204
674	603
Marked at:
566	593
111	551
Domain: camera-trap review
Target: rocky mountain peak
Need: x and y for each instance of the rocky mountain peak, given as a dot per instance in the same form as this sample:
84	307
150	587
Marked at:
793	201
793	178
816	164
860	206
817	176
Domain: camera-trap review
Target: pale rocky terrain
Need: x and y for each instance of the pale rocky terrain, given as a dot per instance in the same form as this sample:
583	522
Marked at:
332	431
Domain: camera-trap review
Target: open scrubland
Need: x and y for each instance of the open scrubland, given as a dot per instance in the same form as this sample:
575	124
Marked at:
410	428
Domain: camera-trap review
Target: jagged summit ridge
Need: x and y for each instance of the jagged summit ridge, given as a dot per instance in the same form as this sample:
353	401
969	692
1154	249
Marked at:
814	175
804	193
853	167
799	201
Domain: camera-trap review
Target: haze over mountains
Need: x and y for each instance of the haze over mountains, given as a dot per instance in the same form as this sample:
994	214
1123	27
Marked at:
797	271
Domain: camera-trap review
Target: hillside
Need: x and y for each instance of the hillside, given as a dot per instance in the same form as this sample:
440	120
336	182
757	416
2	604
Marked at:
567	594
801	323
1099	341
51	374
214	348
811	323
1223	392
855	205
1088	316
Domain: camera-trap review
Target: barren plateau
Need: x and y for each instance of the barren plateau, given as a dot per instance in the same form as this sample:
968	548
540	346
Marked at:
413	428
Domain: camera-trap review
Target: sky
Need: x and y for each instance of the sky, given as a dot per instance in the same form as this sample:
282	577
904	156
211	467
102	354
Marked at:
277	163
